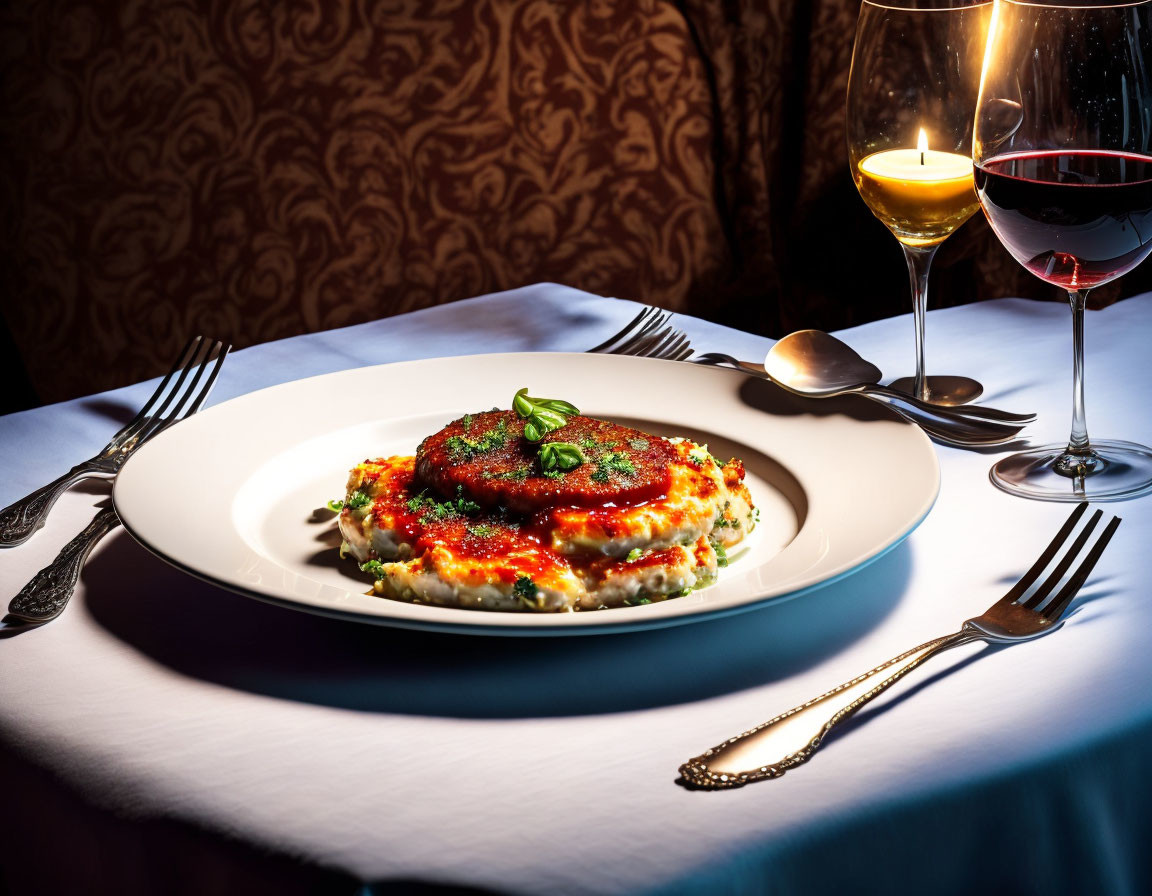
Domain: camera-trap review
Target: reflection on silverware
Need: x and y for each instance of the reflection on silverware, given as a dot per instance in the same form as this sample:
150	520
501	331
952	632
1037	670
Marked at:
648	335
1022	614
49	591
817	365
19	520
47	594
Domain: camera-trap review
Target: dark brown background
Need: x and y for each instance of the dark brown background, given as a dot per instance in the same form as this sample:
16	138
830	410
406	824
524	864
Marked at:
258	169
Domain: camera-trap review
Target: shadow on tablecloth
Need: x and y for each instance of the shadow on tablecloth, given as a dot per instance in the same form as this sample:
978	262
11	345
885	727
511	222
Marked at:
214	635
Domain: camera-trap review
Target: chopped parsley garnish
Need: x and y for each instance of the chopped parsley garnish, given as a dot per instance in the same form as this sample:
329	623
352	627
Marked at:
441	510
336	505
634	554
463	448
616	463
722	522
553	474
527	591
374	567
517	475
588	444
466	420
637	601
482	531
356	500
721	554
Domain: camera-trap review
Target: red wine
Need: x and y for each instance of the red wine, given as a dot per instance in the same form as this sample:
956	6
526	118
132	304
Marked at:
1073	218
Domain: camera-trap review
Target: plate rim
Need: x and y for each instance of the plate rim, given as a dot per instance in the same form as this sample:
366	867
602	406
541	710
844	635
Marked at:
489	622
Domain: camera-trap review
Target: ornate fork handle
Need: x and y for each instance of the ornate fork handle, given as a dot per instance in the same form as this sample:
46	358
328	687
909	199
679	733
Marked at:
45	597
770	749
19	520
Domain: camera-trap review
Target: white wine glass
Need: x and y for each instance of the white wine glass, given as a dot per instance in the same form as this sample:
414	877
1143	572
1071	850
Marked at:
911	97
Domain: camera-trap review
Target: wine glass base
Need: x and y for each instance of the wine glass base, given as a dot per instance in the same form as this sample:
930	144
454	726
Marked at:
946	391
1112	471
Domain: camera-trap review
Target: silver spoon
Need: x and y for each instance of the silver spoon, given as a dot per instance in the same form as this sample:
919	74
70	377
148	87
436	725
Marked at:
820	365
824	367
952	429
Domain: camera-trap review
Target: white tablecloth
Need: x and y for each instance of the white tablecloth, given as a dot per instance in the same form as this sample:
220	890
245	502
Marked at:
166	736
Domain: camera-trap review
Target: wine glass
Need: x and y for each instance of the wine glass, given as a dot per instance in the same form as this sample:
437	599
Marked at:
1064	174
911	95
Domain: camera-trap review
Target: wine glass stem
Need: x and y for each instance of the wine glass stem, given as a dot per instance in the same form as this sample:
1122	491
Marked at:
1078	441
919	260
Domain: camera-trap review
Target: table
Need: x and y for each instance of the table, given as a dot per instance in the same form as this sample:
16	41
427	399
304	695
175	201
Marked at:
166	736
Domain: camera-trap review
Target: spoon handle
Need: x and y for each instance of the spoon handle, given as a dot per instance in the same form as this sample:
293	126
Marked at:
958	433
718	359
968	411
948	425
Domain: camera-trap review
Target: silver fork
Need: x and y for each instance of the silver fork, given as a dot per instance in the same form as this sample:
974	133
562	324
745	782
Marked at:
48	592
648	335
791	738
19	520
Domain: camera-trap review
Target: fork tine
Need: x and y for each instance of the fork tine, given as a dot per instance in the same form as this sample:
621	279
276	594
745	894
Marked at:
147	423
1044	559
676	347
664	341
627	328
636	324
162	420
128	429
1062	567
1060	602
162	424
641	342
222	353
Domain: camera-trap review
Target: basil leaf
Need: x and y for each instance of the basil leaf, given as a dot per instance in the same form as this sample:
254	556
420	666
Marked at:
550	419
543	414
561	456
560	407
521	404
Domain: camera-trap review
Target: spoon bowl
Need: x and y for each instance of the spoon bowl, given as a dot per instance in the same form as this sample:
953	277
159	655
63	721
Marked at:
817	364
814	363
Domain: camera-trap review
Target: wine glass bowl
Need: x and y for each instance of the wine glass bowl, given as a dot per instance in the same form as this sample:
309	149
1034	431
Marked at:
1063	168
911	95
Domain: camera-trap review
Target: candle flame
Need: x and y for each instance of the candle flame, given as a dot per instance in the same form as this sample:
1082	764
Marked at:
922	142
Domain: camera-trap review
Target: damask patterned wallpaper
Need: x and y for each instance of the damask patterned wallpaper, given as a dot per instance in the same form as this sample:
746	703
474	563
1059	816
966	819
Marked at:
259	168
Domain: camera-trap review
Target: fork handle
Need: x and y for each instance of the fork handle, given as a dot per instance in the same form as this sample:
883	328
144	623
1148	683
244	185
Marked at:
19	520
770	749
49	591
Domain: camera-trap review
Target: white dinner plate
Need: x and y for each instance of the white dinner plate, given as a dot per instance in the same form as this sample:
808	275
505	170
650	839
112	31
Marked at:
236	494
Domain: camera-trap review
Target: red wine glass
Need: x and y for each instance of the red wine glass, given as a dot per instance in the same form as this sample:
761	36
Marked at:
1063	168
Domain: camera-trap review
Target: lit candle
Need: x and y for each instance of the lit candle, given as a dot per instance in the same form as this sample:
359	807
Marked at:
922	194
